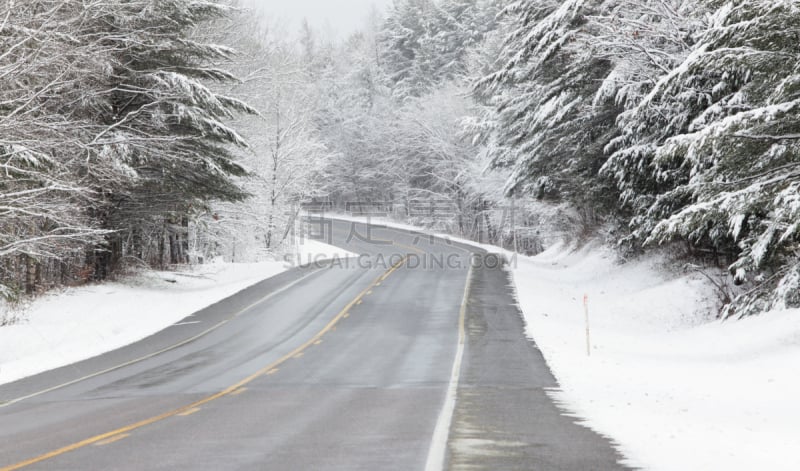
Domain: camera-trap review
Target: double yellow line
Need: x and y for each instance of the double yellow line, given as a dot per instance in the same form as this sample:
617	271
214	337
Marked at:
271	368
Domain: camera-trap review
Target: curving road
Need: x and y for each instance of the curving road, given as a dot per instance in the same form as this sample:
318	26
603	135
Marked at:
411	356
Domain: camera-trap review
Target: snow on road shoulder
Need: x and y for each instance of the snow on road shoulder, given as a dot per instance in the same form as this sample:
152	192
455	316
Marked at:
376	221
311	251
79	323
675	389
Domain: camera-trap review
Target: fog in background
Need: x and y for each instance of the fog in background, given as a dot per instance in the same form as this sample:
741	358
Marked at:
340	17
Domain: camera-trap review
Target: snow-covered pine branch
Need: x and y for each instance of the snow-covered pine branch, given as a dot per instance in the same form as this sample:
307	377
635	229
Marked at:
703	157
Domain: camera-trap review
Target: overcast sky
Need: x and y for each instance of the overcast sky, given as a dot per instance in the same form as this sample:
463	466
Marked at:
344	16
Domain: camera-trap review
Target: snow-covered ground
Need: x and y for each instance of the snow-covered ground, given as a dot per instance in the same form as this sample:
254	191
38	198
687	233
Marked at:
74	324
63	327
676	389
311	251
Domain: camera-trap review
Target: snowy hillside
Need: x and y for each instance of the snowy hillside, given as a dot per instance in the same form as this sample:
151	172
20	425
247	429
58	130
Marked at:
676	389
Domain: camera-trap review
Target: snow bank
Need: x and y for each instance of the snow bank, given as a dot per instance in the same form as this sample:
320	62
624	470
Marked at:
676	390
78	323
74	324
311	251
377	221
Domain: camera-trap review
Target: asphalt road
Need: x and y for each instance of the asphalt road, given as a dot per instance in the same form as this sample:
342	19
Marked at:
411	356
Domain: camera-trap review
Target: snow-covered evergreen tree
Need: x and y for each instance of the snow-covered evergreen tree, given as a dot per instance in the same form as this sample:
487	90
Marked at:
160	122
452	31
426	43
109	129
711	153
549	128
401	45
645	40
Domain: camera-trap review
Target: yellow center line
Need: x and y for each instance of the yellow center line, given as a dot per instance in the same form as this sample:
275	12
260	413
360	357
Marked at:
190	412
113	439
239	391
270	369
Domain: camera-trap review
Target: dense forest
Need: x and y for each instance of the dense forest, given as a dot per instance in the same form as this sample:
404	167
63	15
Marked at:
154	132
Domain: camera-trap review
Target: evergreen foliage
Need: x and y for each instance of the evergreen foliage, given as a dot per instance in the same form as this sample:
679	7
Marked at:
715	145
111	134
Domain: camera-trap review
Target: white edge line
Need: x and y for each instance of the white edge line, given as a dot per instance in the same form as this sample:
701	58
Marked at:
437	453
165	350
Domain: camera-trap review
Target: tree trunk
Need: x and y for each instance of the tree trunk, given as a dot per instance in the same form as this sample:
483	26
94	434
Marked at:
490	233
137	244
30	275
184	245
173	248
162	248
276	154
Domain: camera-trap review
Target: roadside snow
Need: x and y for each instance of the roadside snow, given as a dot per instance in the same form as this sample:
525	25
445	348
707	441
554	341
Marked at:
312	251
79	323
74	324
674	388
379	221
